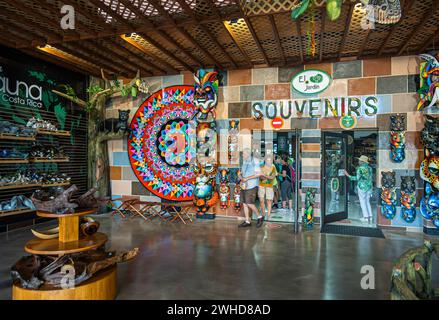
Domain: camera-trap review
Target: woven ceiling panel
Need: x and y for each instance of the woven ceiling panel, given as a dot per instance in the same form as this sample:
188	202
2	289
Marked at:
183	42
404	28
288	35
266	37
357	32
150	48
198	33
333	37
243	36
223	37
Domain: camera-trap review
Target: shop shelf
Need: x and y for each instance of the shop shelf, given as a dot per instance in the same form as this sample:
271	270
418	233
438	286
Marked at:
54	133
6	136
56	247
6	213
46	185
20	186
13	160
44	160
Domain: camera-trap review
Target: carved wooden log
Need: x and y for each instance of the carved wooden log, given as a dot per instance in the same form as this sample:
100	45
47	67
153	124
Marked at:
88	200
33	271
61	204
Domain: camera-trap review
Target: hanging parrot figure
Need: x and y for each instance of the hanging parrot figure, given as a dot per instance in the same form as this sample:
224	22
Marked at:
333	9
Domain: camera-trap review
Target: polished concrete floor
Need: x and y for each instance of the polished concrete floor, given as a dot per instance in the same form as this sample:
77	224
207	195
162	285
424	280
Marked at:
216	260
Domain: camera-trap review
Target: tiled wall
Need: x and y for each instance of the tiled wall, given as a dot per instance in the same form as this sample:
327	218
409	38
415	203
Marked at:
393	80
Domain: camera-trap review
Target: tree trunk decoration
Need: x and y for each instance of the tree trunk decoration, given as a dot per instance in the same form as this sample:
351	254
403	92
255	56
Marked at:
98	162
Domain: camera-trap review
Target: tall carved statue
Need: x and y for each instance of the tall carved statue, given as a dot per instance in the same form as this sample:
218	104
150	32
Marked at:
205	101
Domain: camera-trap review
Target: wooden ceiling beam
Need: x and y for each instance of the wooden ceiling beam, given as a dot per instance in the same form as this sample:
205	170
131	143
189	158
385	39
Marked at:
212	38
430	12
28	24
253	33
57	54
157	5
116	47
430	40
121	58
346	30
108	68
223	21
106	57
143	50
277	38
112	13
60	62
322	32
133	43
405	9
299	32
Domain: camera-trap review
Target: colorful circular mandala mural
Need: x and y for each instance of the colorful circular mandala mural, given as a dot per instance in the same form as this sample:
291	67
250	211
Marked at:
162	144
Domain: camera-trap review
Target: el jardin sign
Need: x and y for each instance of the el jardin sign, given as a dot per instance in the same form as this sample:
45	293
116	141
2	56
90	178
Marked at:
311	81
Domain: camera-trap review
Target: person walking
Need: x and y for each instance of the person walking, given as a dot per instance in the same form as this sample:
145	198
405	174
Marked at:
364	176
266	185
250	173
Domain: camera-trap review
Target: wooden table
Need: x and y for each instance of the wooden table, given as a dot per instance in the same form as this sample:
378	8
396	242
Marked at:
126	205
178	211
102	286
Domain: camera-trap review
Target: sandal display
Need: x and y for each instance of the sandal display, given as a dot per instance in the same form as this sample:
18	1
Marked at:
35	123
41	151
9	128
17	202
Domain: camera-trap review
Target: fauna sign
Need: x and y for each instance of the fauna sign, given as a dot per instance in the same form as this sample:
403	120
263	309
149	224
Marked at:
311	81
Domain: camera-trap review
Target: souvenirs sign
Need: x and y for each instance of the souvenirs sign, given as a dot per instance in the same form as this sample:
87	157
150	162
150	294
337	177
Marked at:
311	81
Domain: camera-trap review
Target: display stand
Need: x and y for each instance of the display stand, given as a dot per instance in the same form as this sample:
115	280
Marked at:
102	286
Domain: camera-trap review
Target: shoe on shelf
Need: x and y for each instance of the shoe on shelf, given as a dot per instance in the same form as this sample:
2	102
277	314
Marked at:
260	222
245	224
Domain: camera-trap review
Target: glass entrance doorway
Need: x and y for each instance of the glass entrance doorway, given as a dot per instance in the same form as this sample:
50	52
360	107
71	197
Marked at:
346	200
283	147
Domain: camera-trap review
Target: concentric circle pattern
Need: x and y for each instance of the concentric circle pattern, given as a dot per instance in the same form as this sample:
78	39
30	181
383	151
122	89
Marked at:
162	143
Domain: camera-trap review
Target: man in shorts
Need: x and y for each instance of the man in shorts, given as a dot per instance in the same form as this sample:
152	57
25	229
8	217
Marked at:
250	173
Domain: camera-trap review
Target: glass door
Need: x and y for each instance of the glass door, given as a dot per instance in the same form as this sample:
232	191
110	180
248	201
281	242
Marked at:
334	182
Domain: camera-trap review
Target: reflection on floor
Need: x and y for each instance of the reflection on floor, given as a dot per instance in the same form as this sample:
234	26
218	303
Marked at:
355	214
216	260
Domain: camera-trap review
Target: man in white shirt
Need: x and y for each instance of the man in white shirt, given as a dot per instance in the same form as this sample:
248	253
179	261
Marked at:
250	173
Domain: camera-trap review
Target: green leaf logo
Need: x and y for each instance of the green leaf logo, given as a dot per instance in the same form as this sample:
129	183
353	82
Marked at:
317	78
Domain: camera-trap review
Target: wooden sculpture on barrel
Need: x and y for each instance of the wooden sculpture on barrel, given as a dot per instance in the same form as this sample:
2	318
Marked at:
397	138
388	194
205	101
429	170
224	189
237	193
